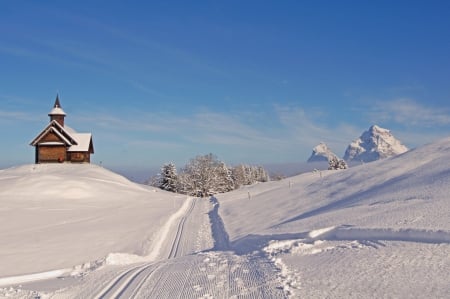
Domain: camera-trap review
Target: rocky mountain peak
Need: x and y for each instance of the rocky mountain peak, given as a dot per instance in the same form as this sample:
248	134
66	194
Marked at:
321	153
374	144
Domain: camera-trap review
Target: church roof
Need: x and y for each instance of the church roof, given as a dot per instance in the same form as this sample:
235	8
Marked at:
84	142
66	136
76	142
57	109
59	130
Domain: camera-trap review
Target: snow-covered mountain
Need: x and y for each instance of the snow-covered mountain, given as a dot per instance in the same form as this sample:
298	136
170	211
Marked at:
321	153
374	144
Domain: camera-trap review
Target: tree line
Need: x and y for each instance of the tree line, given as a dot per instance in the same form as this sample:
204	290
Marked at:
206	175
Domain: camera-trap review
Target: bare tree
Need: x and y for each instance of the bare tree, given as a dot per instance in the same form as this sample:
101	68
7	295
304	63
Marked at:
202	172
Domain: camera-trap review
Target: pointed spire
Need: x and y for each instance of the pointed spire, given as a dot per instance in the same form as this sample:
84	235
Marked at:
57	113
57	104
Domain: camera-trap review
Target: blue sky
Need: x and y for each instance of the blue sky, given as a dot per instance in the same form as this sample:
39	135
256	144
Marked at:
250	81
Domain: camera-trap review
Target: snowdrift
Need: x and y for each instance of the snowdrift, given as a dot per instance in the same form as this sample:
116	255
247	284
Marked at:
55	216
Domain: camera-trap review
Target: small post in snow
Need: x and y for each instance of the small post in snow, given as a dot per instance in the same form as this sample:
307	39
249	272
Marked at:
249	195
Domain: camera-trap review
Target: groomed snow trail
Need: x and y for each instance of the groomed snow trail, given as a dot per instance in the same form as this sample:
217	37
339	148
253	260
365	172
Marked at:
194	262
180	241
128	283
214	274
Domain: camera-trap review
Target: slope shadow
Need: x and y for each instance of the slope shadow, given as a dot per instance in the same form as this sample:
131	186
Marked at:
346	202
219	233
244	245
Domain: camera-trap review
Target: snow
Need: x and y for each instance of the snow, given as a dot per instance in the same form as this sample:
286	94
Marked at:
55	216
376	143
83	142
356	232
57	111
77	142
51	128
321	153
376	230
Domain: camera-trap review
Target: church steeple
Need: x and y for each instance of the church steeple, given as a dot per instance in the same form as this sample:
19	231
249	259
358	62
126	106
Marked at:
57	113
57	104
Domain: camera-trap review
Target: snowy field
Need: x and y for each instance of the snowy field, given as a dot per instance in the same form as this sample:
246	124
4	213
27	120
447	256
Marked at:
381	229
59	216
377	230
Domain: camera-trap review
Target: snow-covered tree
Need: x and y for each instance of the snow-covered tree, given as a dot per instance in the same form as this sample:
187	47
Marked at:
239	176
224	180
206	175
202	172
184	183
168	178
247	175
261	174
334	163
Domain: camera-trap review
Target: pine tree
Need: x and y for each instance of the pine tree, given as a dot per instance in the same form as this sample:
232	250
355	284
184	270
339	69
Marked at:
169	178
334	164
261	174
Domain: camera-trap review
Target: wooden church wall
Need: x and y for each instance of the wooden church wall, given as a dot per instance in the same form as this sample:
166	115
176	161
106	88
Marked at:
51	153
79	157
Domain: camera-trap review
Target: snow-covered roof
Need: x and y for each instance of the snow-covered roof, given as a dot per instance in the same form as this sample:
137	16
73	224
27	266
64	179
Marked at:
57	111
59	130
69	129
84	141
52	143
76	142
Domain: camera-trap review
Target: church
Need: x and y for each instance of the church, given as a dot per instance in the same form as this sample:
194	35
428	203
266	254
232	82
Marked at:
58	143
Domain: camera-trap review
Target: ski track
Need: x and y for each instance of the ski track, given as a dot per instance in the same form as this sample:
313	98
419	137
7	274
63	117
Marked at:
190	269
128	283
117	287
213	274
176	242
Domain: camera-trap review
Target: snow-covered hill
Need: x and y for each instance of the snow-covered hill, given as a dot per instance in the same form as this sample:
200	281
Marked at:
376	230
54	216
376	143
321	153
379	229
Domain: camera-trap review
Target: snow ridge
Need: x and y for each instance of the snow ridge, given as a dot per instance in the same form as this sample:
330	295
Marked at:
378	234
374	144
